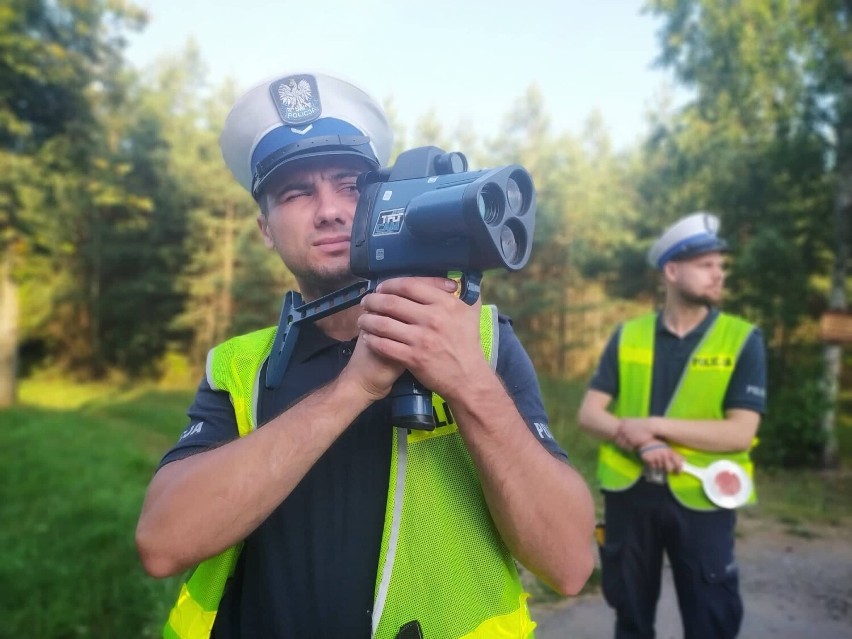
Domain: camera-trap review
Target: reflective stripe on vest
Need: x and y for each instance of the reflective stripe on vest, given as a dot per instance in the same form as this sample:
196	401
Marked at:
699	395
471	589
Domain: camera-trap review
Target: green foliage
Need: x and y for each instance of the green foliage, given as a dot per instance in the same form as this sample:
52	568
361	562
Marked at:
585	198
67	136
144	248
52	53
791	433
804	496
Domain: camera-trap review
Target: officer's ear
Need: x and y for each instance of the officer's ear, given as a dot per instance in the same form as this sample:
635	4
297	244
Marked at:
263	225
670	270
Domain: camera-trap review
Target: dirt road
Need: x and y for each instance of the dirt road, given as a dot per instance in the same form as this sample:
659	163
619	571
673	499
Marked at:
795	582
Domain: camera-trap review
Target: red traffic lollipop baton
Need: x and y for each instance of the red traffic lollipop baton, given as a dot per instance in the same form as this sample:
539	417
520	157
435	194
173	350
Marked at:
725	483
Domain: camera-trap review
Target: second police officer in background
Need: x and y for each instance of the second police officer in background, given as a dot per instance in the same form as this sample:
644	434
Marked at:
687	383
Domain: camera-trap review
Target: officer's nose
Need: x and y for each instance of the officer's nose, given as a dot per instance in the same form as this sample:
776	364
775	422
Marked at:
331	207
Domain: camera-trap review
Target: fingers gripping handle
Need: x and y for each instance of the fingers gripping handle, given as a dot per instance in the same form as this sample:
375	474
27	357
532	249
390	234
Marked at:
411	401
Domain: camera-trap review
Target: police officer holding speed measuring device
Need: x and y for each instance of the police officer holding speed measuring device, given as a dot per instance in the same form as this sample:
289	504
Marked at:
291	501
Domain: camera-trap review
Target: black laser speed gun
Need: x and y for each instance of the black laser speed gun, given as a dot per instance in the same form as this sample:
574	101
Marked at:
425	216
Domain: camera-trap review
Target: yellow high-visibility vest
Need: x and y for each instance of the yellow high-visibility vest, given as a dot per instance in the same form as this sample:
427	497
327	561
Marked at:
699	395
442	561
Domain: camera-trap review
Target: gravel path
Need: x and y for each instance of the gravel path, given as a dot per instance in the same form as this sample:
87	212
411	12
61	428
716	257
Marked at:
795	583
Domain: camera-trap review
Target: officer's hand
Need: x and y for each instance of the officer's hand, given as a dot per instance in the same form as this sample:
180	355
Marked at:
370	371
657	454
633	433
420	323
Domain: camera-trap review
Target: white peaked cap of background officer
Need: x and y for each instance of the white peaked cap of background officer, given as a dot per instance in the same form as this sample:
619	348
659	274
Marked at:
692	235
300	115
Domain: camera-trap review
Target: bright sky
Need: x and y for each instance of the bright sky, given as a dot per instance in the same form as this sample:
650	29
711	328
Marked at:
469	60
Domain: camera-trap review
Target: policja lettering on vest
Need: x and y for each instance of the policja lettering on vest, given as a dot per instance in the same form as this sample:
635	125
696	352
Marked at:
713	362
444	417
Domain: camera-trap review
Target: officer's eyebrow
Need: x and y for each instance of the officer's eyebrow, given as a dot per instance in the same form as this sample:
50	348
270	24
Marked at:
304	183
297	184
345	174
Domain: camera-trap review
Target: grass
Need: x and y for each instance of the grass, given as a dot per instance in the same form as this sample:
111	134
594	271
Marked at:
73	471
562	399
75	461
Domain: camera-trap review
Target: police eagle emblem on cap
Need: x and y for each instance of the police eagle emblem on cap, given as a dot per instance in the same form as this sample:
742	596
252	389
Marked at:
297	99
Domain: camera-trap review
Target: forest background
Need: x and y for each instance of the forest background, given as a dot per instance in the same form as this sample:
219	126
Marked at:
127	251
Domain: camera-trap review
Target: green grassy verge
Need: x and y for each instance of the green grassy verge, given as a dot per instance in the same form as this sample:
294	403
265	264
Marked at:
71	485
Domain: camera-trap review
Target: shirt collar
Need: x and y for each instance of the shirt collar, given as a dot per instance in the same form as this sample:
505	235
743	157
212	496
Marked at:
312	342
702	327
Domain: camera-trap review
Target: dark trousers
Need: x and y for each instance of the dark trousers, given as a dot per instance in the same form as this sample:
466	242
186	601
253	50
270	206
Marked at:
643	522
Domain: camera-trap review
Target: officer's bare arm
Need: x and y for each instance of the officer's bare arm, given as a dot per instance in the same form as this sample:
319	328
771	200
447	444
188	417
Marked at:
197	507
735	432
594	417
541	506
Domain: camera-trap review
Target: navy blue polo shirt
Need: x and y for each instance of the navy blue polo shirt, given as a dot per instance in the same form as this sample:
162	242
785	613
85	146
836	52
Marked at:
746	390
309	570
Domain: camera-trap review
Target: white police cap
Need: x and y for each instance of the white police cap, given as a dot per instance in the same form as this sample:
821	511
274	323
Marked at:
692	235
297	116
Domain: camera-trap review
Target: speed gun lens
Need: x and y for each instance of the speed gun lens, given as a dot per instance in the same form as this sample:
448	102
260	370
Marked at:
490	202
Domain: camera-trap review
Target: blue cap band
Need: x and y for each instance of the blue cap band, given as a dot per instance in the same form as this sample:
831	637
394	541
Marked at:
327	136
283	136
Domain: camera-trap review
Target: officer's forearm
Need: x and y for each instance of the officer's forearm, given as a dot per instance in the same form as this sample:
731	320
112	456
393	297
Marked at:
541	506
594	418
734	433
199	506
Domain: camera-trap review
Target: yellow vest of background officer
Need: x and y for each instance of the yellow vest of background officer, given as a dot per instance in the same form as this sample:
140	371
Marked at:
699	395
